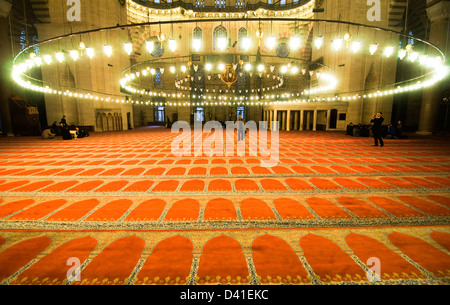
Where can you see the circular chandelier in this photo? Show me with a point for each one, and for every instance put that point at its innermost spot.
(63, 49)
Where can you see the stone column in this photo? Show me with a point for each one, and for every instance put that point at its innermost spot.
(302, 115)
(288, 120)
(276, 124)
(328, 119)
(308, 119)
(315, 120)
(438, 13)
(283, 120)
(296, 120)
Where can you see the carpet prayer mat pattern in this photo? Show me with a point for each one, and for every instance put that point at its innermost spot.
(125, 210)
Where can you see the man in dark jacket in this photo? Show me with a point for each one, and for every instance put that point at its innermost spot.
(377, 121)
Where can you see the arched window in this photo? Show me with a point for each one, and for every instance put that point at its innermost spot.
(158, 49)
(219, 32)
(199, 3)
(242, 33)
(219, 3)
(157, 81)
(197, 33)
(240, 3)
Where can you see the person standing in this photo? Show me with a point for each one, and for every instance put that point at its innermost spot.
(63, 121)
(377, 121)
(240, 123)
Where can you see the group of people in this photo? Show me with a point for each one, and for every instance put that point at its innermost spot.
(67, 132)
(378, 130)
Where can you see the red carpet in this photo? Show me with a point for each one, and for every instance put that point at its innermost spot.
(133, 213)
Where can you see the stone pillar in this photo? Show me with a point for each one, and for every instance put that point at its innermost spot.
(315, 120)
(269, 119)
(308, 119)
(302, 115)
(296, 120)
(276, 124)
(283, 120)
(288, 120)
(328, 119)
(438, 13)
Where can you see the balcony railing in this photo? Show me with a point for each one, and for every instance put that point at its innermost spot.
(228, 9)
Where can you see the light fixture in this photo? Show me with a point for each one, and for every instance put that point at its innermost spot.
(373, 48)
(38, 61)
(260, 67)
(222, 43)
(246, 43)
(337, 44)
(347, 37)
(259, 33)
(294, 70)
(74, 54)
(149, 45)
(402, 54)
(59, 56)
(356, 46)
(183, 69)
(247, 67)
(208, 67)
(108, 50)
(221, 66)
(197, 44)
(48, 59)
(90, 52)
(318, 42)
(388, 51)
(172, 69)
(271, 41)
(81, 45)
(413, 56)
(172, 44)
(283, 69)
(294, 43)
(128, 46)
(161, 35)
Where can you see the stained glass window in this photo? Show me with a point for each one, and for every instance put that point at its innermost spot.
(219, 32)
(242, 33)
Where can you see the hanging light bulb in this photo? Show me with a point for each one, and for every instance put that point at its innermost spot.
(247, 67)
(172, 44)
(373, 48)
(149, 45)
(259, 33)
(90, 52)
(74, 54)
(81, 45)
(271, 41)
(222, 43)
(208, 67)
(260, 67)
(413, 56)
(172, 69)
(347, 37)
(318, 42)
(183, 68)
(356, 46)
(48, 59)
(337, 44)
(294, 70)
(221, 66)
(161, 36)
(128, 46)
(197, 44)
(402, 54)
(294, 43)
(59, 56)
(38, 61)
(388, 51)
(283, 69)
(246, 43)
(108, 50)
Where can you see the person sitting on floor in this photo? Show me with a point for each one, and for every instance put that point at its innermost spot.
(391, 132)
(65, 132)
(350, 128)
(48, 134)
